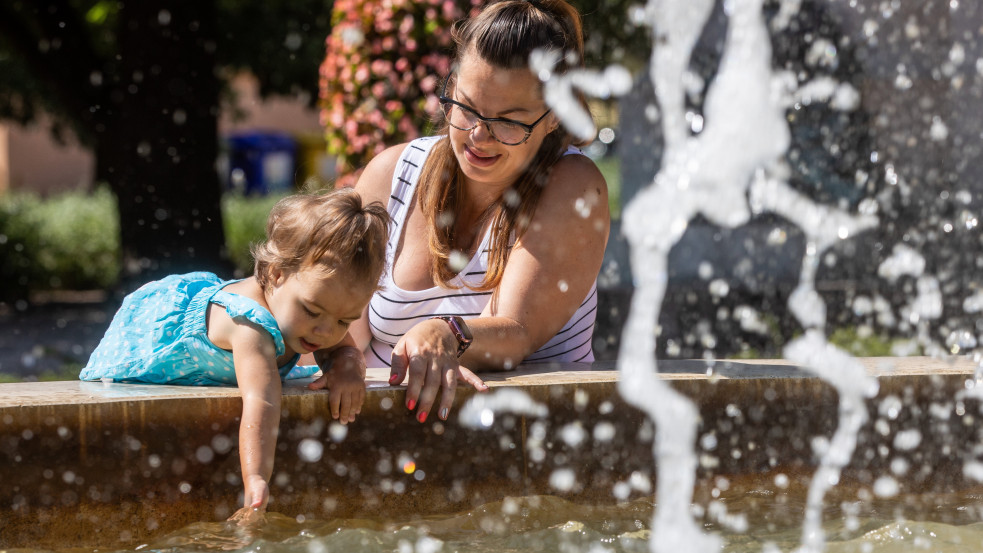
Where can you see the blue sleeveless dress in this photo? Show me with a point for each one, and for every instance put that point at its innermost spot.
(159, 335)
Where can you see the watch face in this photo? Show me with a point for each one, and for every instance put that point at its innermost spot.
(461, 329)
(461, 332)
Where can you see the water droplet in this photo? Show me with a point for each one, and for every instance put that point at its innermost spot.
(337, 431)
(719, 288)
(573, 434)
(457, 261)
(886, 486)
(352, 37)
(204, 454)
(487, 418)
(563, 480)
(781, 481)
(604, 432)
(293, 41)
(938, 131)
(310, 450)
(906, 440)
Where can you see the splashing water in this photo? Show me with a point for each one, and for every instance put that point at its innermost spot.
(479, 412)
(704, 174)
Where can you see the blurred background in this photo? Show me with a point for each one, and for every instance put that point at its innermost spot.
(139, 139)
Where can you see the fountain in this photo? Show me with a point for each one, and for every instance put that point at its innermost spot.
(836, 448)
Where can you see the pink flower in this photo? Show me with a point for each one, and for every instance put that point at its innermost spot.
(378, 90)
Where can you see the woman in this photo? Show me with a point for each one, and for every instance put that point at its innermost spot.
(499, 225)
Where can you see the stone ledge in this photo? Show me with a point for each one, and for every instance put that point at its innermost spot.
(76, 392)
(93, 464)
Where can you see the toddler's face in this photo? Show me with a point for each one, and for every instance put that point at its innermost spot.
(313, 310)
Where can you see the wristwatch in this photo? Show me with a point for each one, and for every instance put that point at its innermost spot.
(460, 330)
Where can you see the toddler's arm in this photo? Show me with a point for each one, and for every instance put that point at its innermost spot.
(343, 366)
(255, 364)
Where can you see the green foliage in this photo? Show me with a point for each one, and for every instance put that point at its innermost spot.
(79, 240)
(862, 342)
(281, 43)
(610, 167)
(611, 35)
(69, 371)
(245, 224)
(70, 241)
(18, 247)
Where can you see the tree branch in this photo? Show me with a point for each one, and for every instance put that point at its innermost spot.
(65, 65)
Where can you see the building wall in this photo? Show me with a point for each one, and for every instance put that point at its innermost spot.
(31, 160)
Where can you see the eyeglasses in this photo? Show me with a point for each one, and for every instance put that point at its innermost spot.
(464, 118)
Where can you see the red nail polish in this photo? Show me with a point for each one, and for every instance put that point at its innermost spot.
(422, 417)
(410, 404)
(393, 379)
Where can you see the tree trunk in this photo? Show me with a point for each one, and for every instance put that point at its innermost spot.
(160, 143)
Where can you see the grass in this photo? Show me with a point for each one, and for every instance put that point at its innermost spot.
(244, 220)
(611, 169)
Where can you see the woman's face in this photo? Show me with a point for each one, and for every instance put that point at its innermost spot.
(496, 92)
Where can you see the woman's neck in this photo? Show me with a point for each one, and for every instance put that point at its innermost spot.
(469, 222)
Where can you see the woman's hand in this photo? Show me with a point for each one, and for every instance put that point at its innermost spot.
(427, 356)
(343, 373)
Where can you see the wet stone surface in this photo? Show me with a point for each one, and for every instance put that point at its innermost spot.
(90, 458)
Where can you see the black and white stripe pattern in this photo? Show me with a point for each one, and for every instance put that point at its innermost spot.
(393, 311)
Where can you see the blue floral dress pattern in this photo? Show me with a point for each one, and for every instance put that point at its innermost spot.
(159, 335)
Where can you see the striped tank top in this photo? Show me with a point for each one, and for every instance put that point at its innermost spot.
(393, 311)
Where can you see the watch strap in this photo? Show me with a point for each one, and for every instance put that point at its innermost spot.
(460, 330)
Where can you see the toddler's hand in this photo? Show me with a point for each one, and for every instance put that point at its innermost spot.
(345, 379)
(248, 516)
(255, 498)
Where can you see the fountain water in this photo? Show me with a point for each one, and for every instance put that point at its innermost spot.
(730, 165)
(108, 465)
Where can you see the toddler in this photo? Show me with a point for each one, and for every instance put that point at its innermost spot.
(322, 260)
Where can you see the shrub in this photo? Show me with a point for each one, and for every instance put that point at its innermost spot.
(379, 79)
(244, 218)
(18, 248)
(69, 241)
(79, 239)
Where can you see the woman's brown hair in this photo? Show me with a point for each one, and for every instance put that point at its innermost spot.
(329, 231)
(504, 34)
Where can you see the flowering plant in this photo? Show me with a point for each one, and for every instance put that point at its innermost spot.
(379, 78)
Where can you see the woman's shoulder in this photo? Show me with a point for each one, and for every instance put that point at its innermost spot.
(575, 186)
(575, 171)
(375, 182)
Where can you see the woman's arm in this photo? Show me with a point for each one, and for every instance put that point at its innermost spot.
(548, 275)
(550, 270)
(254, 355)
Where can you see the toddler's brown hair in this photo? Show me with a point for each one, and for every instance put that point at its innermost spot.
(329, 231)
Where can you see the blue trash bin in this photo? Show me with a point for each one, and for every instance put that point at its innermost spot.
(261, 162)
